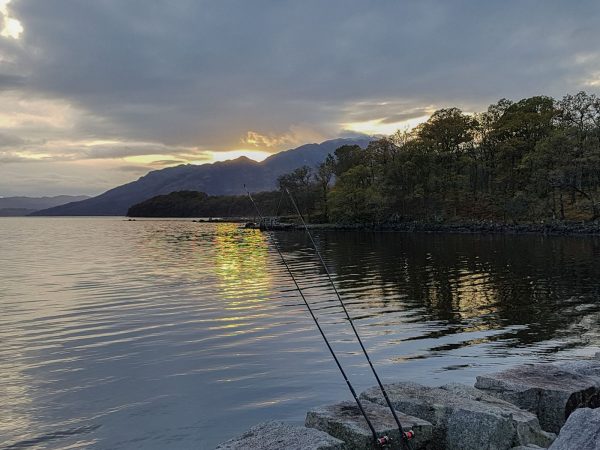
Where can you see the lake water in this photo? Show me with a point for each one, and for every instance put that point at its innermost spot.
(170, 334)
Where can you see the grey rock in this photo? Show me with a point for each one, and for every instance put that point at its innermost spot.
(282, 436)
(465, 418)
(345, 421)
(586, 367)
(525, 425)
(546, 390)
(581, 431)
(526, 447)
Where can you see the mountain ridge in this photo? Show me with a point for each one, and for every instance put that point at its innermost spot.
(218, 178)
(24, 205)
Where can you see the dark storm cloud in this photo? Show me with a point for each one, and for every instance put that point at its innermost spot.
(193, 72)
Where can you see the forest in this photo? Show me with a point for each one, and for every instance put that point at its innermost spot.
(200, 204)
(534, 160)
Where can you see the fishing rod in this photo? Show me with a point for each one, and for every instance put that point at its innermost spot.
(408, 435)
(379, 441)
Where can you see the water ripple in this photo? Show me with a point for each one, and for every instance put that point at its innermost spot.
(174, 334)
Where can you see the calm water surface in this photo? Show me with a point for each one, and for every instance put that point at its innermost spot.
(174, 334)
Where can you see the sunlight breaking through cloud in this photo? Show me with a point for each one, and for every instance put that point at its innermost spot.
(381, 127)
(11, 27)
(256, 155)
(182, 91)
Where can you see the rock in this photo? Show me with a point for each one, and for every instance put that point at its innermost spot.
(526, 425)
(544, 389)
(345, 421)
(465, 418)
(581, 431)
(526, 447)
(586, 367)
(282, 436)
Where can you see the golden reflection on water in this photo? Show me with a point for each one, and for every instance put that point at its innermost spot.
(473, 297)
(241, 258)
(470, 295)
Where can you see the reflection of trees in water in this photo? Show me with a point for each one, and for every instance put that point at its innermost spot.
(474, 282)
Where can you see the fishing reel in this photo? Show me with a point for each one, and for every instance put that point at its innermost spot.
(386, 441)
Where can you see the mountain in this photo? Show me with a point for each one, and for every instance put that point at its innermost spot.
(23, 206)
(220, 178)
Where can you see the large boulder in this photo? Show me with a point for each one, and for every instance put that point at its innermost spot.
(549, 391)
(279, 436)
(345, 421)
(465, 418)
(581, 431)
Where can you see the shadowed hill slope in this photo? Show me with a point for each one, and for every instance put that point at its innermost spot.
(220, 178)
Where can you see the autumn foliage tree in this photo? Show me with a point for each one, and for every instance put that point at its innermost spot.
(530, 160)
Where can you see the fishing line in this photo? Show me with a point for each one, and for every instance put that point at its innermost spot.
(315, 320)
(405, 436)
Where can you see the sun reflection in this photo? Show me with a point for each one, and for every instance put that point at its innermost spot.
(241, 265)
(473, 296)
(469, 296)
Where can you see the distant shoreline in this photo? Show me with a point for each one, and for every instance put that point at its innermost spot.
(472, 228)
(482, 227)
(556, 228)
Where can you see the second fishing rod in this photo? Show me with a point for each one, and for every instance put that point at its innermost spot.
(408, 435)
(380, 441)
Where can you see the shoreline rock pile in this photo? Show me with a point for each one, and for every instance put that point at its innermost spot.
(530, 406)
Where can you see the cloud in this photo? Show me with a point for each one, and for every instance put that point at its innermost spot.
(10, 27)
(7, 140)
(180, 80)
(296, 136)
(265, 140)
(168, 162)
(134, 169)
(8, 82)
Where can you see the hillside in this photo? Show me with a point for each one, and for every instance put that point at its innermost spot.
(199, 204)
(220, 178)
(23, 206)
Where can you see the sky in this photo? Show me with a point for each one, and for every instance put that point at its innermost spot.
(94, 94)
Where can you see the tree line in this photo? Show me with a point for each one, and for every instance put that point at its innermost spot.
(537, 159)
(200, 204)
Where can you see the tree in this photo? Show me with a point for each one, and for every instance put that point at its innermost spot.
(533, 159)
(354, 198)
(447, 130)
(346, 157)
(299, 184)
(324, 175)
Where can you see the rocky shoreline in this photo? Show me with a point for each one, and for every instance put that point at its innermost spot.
(548, 229)
(532, 406)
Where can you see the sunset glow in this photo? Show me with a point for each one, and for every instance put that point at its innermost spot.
(256, 155)
(380, 127)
